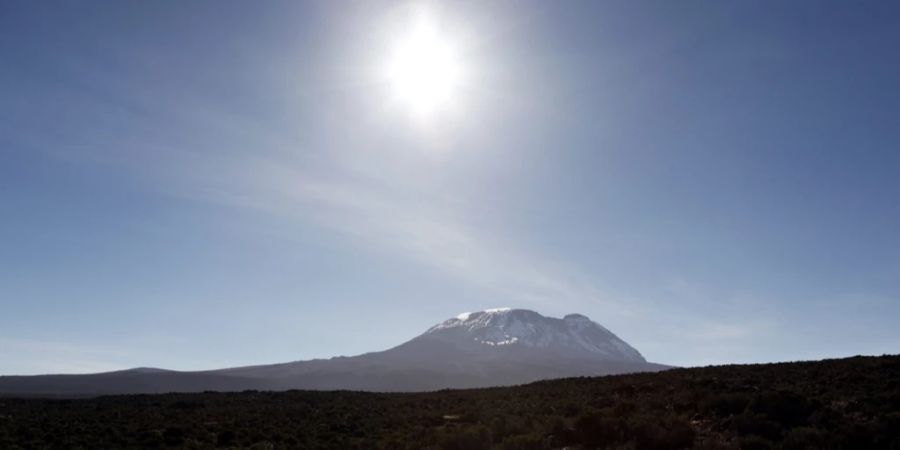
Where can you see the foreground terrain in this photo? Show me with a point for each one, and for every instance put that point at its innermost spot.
(845, 403)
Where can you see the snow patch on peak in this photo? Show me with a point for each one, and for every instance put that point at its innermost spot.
(472, 319)
(509, 340)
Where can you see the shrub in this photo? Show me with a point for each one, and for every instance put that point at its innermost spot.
(671, 433)
(786, 408)
(173, 436)
(755, 424)
(755, 443)
(470, 438)
(225, 439)
(596, 430)
(523, 442)
(725, 404)
(561, 435)
(804, 438)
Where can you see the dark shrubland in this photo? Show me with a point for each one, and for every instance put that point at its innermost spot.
(836, 404)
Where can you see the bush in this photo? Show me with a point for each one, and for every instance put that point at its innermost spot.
(523, 442)
(786, 408)
(755, 443)
(561, 435)
(597, 430)
(470, 438)
(671, 433)
(225, 439)
(725, 404)
(804, 438)
(755, 424)
(173, 436)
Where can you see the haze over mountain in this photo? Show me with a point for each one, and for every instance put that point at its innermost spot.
(495, 347)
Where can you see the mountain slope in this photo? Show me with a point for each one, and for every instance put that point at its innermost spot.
(486, 348)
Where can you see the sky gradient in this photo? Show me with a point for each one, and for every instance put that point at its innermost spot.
(196, 185)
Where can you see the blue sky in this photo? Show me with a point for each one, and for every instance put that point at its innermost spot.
(205, 184)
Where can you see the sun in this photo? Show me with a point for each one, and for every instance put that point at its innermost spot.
(423, 71)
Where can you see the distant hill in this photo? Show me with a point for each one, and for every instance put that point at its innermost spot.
(851, 403)
(496, 347)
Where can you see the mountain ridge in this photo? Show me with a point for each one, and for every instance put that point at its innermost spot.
(494, 347)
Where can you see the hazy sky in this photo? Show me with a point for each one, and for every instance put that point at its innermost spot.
(204, 184)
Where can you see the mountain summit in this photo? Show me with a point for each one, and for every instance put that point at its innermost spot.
(495, 347)
(574, 335)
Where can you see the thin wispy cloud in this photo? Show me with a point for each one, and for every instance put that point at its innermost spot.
(425, 231)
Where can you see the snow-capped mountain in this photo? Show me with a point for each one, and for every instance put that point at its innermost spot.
(494, 347)
(573, 335)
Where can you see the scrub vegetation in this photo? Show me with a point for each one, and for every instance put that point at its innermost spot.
(851, 403)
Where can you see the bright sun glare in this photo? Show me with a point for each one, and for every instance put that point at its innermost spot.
(423, 70)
